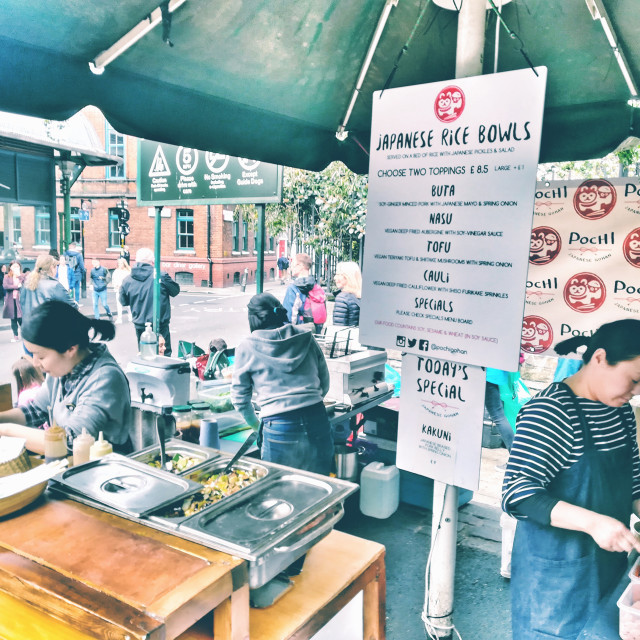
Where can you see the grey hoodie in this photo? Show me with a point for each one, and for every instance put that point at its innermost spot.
(284, 366)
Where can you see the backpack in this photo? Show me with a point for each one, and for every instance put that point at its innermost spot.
(72, 261)
(314, 308)
(285, 264)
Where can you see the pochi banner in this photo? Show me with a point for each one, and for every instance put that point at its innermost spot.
(584, 259)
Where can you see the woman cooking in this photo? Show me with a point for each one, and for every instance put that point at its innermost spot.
(287, 369)
(85, 387)
(572, 481)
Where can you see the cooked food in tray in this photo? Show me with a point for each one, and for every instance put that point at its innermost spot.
(215, 487)
(177, 464)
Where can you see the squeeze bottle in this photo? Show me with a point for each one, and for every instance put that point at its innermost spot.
(81, 447)
(99, 448)
(55, 444)
(148, 343)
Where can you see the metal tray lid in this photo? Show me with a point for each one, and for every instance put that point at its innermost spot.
(247, 522)
(126, 485)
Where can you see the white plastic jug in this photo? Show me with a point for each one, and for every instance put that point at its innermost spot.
(379, 490)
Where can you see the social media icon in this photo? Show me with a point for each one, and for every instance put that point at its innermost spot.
(423, 345)
(400, 341)
(411, 342)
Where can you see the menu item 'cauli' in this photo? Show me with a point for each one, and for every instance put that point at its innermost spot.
(177, 464)
(215, 487)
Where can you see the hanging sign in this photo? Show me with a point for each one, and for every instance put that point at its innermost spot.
(441, 406)
(451, 186)
(180, 175)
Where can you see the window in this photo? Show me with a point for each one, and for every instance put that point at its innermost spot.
(114, 144)
(184, 277)
(271, 243)
(114, 230)
(16, 225)
(42, 227)
(235, 235)
(184, 228)
(245, 235)
(76, 226)
(255, 239)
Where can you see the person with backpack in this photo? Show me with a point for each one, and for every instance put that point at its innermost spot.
(76, 262)
(304, 299)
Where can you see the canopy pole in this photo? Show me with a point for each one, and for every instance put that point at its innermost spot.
(441, 566)
(260, 248)
(156, 275)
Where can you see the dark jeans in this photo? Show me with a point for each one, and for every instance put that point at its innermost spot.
(300, 438)
(15, 323)
(164, 332)
(76, 287)
(493, 405)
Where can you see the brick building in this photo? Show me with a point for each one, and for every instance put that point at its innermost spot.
(201, 244)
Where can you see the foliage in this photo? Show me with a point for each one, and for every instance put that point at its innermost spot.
(625, 162)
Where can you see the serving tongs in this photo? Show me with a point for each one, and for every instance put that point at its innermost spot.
(241, 451)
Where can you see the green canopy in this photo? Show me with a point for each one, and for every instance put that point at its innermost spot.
(273, 79)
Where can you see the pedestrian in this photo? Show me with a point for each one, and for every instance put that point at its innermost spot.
(99, 280)
(494, 407)
(136, 292)
(283, 267)
(304, 300)
(121, 271)
(13, 282)
(41, 285)
(84, 389)
(65, 275)
(348, 279)
(3, 273)
(572, 481)
(124, 253)
(285, 368)
(76, 262)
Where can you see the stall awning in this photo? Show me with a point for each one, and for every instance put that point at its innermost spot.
(273, 80)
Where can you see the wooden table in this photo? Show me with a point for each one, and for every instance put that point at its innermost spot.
(71, 572)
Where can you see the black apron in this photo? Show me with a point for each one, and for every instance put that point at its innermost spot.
(558, 576)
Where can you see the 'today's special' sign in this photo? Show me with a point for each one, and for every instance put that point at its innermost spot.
(451, 186)
(441, 406)
(180, 175)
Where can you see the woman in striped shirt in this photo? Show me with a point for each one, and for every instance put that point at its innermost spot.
(572, 480)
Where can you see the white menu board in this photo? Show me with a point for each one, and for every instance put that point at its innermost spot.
(451, 189)
(441, 408)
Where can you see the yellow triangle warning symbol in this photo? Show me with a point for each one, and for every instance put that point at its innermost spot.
(159, 166)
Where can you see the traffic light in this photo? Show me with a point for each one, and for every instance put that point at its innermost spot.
(123, 216)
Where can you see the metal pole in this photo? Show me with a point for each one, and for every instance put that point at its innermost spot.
(156, 275)
(441, 568)
(209, 246)
(65, 231)
(260, 249)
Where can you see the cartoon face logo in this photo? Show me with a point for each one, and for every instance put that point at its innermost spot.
(545, 245)
(594, 199)
(449, 104)
(631, 248)
(537, 334)
(584, 292)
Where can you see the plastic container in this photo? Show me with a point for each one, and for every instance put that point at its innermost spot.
(148, 343)
(81, 448)
(182, 416)
(379, 490)
(55, 444)
(100, 448)
(199, 411)
(634, 572)
(209, 433)
(508, 528)
(629, 612)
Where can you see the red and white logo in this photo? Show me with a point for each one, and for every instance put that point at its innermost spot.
(449, 104)
(631, 248)
(594, 199)
(545, 245)
(584, 292)
(537, 334)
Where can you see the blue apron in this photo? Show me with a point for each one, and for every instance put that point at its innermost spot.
(558, 576)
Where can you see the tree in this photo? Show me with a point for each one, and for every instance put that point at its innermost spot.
(622, 163)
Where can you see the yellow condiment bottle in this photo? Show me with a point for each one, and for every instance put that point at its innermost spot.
(100, 448)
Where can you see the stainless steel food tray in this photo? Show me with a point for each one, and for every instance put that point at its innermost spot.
(126, 485)
(174, 446)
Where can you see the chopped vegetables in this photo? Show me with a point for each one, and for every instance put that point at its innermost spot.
(177, 464)
(215, 487)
